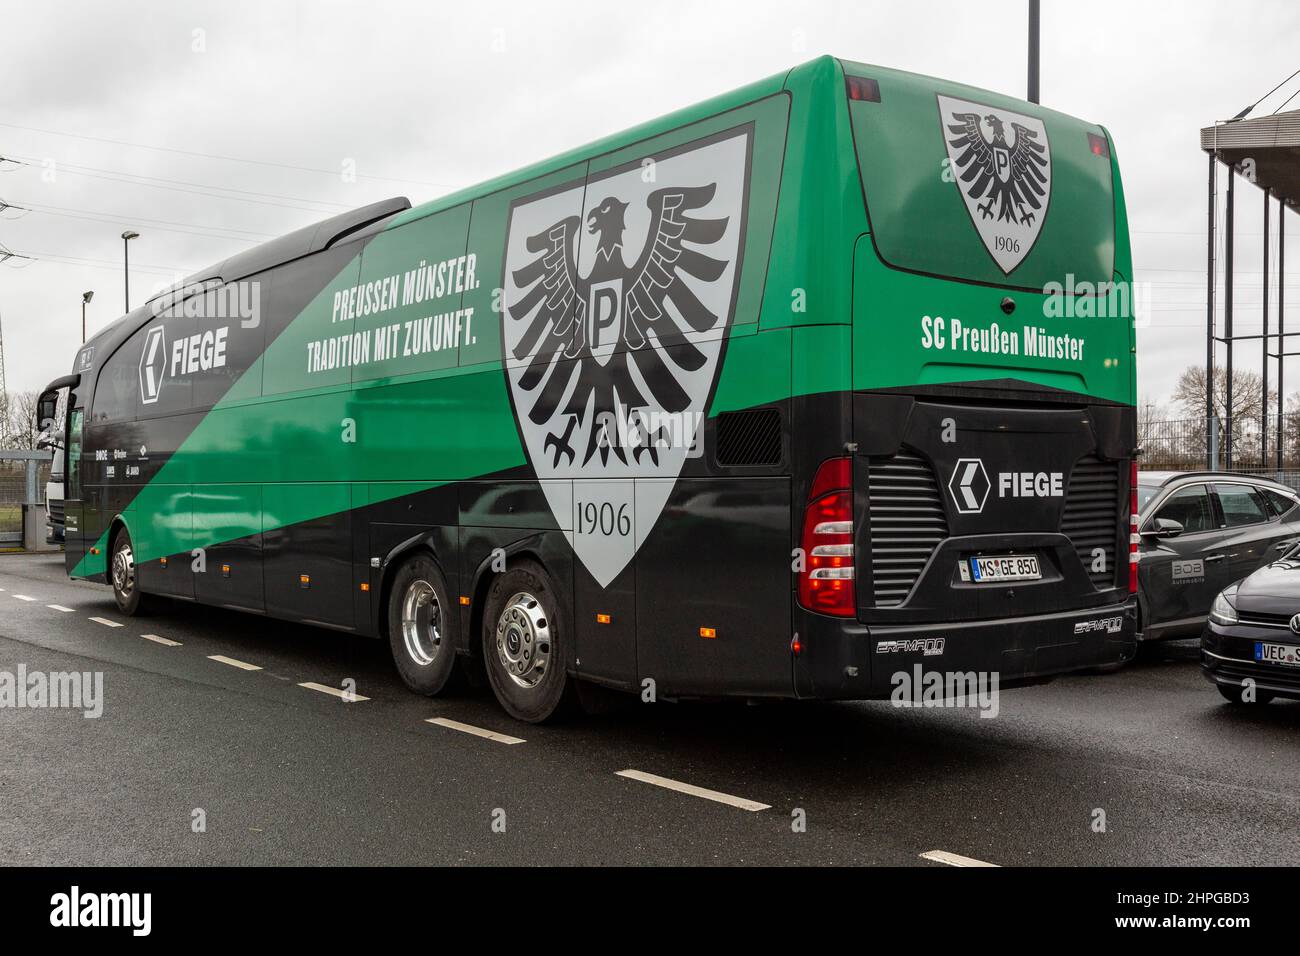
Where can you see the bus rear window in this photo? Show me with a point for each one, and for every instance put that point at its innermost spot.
(966, 184)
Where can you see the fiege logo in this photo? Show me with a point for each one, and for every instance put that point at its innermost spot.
(121, 910)
(970, 485)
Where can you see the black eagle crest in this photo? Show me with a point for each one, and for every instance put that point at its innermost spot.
(1011, 177)
(651, 336)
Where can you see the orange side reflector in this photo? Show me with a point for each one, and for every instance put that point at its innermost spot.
(708, 632)
(365, 586)
(163, 562)
(94, 550)
(225, 569)
(464, 600)
(604, 619)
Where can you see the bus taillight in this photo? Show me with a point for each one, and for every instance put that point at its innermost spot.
(1133, 537)
(826, 581)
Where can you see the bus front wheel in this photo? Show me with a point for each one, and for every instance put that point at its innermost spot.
(422, 626)
(523, 643)
(122, 574)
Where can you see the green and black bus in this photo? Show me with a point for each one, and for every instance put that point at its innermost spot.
(777, 396)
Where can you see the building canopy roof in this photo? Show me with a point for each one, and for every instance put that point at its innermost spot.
(1265, 148)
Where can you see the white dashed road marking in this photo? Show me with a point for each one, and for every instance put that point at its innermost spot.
(476, 731)
(59, 607)
(693, 790)
(243, 666)
(342, 694)
(106, 622)
(24, 597)
(952, 859)
(161, 640)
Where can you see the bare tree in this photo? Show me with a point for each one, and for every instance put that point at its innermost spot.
(1189, 393)
(19, 420)
(1244, 416)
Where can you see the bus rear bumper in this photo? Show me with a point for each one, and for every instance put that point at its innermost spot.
(842, 660)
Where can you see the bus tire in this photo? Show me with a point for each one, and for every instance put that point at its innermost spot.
(524, 643)
(122, 576)
(422, 625)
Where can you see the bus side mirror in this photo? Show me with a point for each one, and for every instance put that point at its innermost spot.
(47, 407)
(47, 426)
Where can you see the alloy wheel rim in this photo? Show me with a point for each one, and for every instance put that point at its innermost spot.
(421, 622)
(523, 640)
(124, 570)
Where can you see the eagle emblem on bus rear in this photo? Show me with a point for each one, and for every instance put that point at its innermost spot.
(1002, 164)
(617, 296)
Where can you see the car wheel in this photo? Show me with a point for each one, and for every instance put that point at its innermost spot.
(1233, 694)
(121, 574)
(524, 642)
(422, 625)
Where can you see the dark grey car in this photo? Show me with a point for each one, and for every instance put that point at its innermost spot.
(1201, 532)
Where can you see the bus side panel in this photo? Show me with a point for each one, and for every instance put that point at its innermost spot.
(718, 559)
(307, 565)
(232, 575)
(605, 627)
(163, 521)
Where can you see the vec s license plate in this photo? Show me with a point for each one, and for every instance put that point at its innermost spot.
(1288, 654)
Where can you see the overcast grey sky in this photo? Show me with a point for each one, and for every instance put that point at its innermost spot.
(426, 97)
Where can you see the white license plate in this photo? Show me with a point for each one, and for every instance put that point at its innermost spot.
(1267, 653)
(1007, 567)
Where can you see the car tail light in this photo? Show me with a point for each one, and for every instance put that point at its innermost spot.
(1133, 537)
(826, 581)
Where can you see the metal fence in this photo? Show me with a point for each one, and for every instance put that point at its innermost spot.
(1181, 445)
(23, 475)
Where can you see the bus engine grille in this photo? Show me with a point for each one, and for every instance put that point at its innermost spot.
(1091, 519)
(907, 523)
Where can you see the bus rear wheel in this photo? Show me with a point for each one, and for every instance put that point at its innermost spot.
(122, 575)
(524, 637)
(422, 626)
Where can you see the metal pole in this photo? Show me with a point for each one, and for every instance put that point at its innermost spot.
(1227, 318)
(126, 271)
(1033, 51)
(1281, 321)
(1210, 456)
(1263, 388)
(83, 321)
(31, 481)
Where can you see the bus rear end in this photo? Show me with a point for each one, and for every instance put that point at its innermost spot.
(981, 518)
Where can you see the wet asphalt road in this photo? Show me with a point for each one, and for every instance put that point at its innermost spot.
(288, 775)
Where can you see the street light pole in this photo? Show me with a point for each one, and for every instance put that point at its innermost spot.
(1033, 51)
(126, 268)
(85, 301)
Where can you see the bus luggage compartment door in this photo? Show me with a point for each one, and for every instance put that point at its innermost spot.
(948, 482)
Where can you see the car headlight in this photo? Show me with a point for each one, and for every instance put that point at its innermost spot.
(1222, 611)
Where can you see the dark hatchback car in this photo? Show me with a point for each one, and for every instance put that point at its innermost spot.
(1199, 532)
(1251, 646)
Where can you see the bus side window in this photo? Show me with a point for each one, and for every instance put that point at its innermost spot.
(118, 387)
(228, 336)
(307, 318)
(73, 456)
